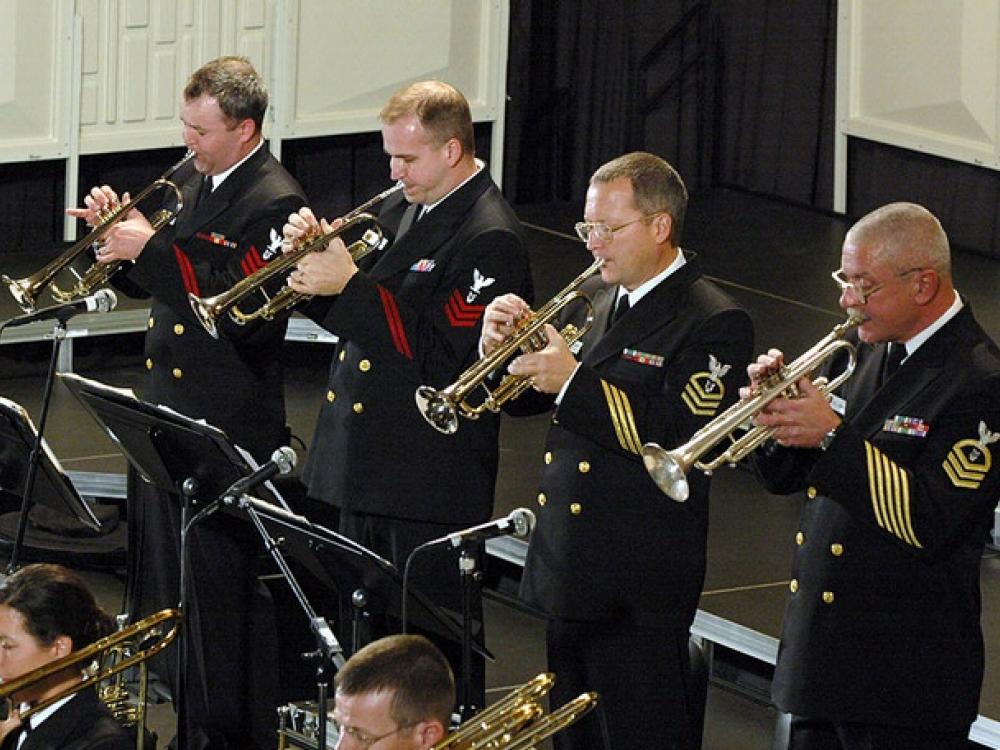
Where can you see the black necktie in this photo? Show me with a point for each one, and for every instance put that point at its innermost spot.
(204, 191)
(409, 219)
(895, 354)
(620, 309)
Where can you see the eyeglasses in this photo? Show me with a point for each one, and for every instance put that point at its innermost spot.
(360, 737)
(858, 288)
(602, 231)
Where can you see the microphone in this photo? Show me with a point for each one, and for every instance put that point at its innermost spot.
(103, 300)
(520, 523)
(282, 461)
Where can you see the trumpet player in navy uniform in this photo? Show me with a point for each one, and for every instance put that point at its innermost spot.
(236, 198)
(407, 316)
(881, 645)
(616, 566)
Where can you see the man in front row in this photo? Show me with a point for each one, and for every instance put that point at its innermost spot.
(881, 645)
(616, 566)
(397, 691)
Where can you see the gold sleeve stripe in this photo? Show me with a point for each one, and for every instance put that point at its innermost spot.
(889, 487)
(622, 418)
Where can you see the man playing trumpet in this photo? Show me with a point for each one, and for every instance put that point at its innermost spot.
(407, 316)
(881, 645)
(617, 568)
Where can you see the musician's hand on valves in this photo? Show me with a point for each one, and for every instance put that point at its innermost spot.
(800, 420)
(549, 368)
(499, 320)
(322, 273)
(126, 239)
(95, 203)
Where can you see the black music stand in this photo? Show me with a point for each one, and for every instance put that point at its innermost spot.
(50, 487)
(346, 566)
(178, 455)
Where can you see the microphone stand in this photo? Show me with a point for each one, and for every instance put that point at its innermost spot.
(329, 651)
(471, 578)
(58, 335)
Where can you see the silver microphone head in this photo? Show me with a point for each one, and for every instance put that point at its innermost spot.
(105, 300)
(285, 459)
(523, 520)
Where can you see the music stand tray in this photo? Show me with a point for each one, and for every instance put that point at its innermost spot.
(343, 564)
(52, 488)
(166, 448)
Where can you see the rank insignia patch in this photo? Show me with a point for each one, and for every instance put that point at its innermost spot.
(479, 282)
(704, 390)
(643, 358)
(460, 313)
(968, 461)
(273, 245)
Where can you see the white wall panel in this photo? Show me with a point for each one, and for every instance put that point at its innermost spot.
(352, 54)
(36, 60)
(922, 74)
(339, 60)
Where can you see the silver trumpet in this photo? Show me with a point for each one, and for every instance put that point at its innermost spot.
(669, 468)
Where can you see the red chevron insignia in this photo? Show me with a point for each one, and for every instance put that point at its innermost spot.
(252, 261)
(460, 313)
(187, 272)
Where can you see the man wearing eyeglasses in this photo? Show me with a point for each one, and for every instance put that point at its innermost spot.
(396, 693)
(881, 645)
(616, 566)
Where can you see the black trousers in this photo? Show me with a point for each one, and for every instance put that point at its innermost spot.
(819, 734)
(642, 676)
(227, 654)
(435, 573)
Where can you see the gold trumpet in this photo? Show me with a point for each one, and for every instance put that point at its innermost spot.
(517, 721)
(441, 408)
(25, 290)
(209, 309)
(669, 468)
(91, 660)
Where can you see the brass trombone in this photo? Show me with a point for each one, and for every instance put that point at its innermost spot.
(25, 290)
(91, 660)
(441, 408)
(669, 468)
(209, 309)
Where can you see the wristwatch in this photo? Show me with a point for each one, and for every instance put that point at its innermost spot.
(828, 437)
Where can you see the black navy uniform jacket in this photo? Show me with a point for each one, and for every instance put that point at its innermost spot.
(83, 723)
(235, 383)
(412, 317)
(609, 545)
(882, 622)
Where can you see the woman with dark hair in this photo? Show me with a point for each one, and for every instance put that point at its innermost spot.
(46, 613)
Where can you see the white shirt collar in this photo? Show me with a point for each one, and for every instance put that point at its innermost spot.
(917, 341)
(431, 206)
(647, 286)
(218, 179)
(38, 717)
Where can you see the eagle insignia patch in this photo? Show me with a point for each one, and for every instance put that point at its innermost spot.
(704, 391)
(969, 461)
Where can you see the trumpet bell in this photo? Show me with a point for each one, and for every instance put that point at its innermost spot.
(667, 471)
(439, 411)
